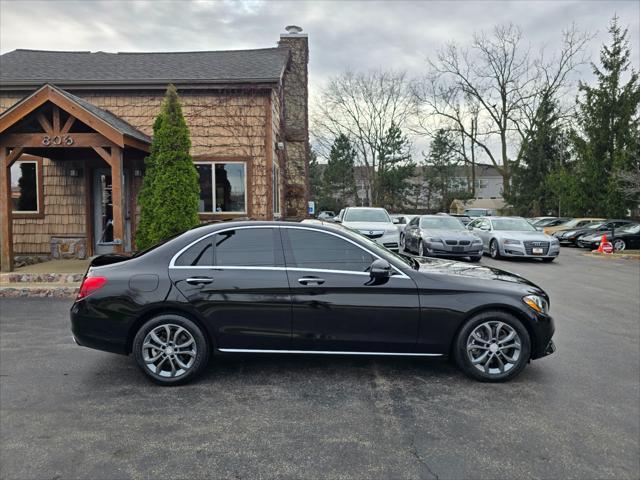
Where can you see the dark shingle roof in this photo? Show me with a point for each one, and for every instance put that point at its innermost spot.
(21, 67)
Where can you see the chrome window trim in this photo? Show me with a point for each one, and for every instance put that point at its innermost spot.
(297, 269)
(329, 352)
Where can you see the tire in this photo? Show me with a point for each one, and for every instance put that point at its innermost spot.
(494, 249)
(402, 245)
(175, 368)
(619, 245)
(491, 371)
(420, 248)
(548, 259)
(476, 259)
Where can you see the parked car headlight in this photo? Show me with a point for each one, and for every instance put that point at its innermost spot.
(555, 241)
(511, 241)
(570, 233)
(537, 303)
(477, 240)
(433, 240)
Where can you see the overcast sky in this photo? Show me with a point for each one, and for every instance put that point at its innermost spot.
(342, 34)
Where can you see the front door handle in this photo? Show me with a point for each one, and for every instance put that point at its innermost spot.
(199, 280)
(311, 281)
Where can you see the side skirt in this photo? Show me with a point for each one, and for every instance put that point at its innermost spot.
(328, 352)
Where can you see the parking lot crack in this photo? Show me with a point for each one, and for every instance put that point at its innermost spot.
(421, 461)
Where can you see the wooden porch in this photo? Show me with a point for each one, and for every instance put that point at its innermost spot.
(54, 124)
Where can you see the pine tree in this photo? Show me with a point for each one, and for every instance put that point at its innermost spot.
(440, 171)
(170, 189)
(545, 151)
(395, 169)
(339, 182)
(606, 142)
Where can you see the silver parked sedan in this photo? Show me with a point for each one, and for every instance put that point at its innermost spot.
(441, 236)
(514, 237)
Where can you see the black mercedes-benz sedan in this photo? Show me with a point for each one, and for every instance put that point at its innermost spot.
(279, 287)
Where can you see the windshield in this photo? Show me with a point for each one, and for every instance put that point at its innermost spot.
(593, 226)
(633, 228)
(548, 222)
(441, 223)
(476, 213)
(576, 222)
(512, 224)
(367, 215)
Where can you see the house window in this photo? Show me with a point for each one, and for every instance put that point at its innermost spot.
(223, 187)
(25, 187)
(276, 190)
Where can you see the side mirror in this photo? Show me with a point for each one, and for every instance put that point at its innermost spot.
(485, 228)
(380, 269)
(396, 221)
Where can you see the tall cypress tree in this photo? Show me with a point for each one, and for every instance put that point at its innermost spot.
(395, 169)
(170, 189)
(606, 142)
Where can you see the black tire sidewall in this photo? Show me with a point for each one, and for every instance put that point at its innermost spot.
(460, 350)
(202, 346)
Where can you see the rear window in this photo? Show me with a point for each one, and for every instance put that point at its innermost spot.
(246, 247)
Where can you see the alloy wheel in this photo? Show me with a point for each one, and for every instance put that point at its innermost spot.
(619, 245)
(401, 242)
(494, 347)
(493, 249)
(420, 248)
(169, 350)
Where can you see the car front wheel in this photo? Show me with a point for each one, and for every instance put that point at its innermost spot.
(494, 250)
(420, 248)
(492, 346)
(619, 245)
(171, 349)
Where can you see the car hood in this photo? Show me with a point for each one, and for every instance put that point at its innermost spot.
(470, 270)
(370, 225)
(452, 234)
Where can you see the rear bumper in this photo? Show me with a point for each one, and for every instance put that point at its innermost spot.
(89, 330)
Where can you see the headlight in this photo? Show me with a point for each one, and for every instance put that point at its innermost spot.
(537, 303)
(477, 240)
(433, 240)
(570, 233)
(555, 241)
(511, 241)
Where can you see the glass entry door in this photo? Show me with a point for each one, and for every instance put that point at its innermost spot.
(103, 213)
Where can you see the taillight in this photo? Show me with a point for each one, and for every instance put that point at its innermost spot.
(90, 285)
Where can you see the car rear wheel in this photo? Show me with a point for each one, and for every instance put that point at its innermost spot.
(492, 347)
(171, 349)
(494, 250)
(619, 245)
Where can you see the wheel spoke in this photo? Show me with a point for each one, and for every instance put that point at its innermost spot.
(180, 363)
(481, 358)
(173, 367)
(512, 334)
(155, 338)
(176, 334)
(153, 359)
(186, 344)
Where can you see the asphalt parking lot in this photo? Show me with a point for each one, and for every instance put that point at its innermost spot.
(70, 412)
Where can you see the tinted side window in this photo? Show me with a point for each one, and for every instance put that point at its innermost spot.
(199, 255)
(309, 249)
(246, 247)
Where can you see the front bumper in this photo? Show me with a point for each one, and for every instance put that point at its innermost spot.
(543, 345)
(520, 251)
(440, 249)
(588, 244)
(390, 240)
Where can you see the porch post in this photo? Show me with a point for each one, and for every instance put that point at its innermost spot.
(6, 230)
(117, 197)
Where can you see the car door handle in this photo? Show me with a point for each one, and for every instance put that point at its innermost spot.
(199, 280)
(311, 281)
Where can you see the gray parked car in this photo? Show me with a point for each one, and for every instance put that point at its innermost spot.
(514, 237)
(441, 236)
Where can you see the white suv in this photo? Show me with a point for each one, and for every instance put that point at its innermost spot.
(374, 223)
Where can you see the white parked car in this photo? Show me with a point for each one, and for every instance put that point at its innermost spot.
(374, 223)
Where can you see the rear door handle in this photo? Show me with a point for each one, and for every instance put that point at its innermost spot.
(199, 280)
(311, 281)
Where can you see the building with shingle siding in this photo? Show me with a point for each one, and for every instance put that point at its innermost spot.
(75, 128)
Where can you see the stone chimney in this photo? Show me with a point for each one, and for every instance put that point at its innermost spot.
(296, 121)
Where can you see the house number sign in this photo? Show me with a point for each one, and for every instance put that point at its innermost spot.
(57, 140)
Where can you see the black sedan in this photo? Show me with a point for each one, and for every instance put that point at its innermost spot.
(625, 237)
(571, 237)
(276, 287)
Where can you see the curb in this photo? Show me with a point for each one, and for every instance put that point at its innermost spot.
(66, 292)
